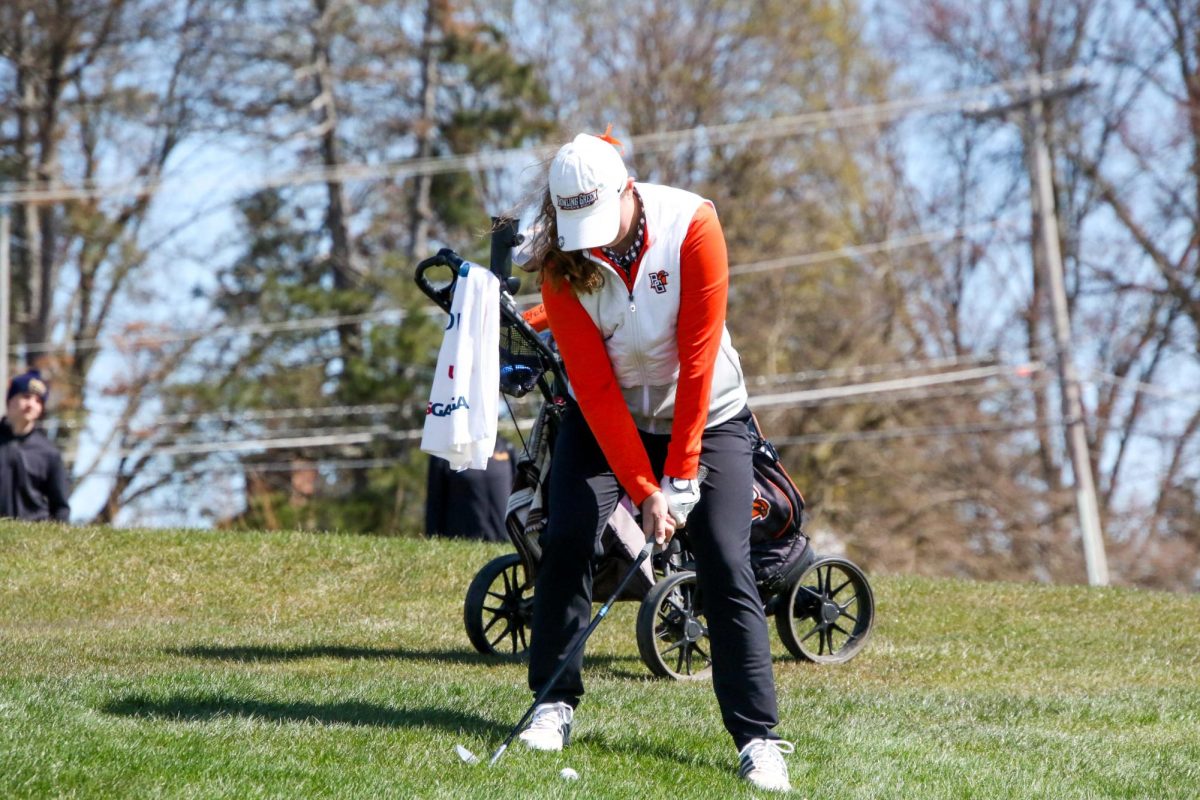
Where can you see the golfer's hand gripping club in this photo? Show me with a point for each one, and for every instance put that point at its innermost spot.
(657, 523)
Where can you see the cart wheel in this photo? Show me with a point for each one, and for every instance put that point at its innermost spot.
(827, 613)
(499, 607)
(671, 637)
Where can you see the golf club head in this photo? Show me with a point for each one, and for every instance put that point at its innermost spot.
(466, 755)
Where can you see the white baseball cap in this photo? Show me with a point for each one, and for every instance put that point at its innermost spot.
(586, 180)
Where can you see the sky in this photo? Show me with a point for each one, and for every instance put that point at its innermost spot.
(209, 176)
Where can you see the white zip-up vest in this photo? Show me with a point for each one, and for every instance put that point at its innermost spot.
(639, 326)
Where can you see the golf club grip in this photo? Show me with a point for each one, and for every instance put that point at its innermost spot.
(576, 647)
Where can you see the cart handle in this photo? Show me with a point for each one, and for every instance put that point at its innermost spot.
(444, 258)
(510, 316)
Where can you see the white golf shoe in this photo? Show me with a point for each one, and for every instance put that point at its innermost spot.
(549, 728)
(761, 763)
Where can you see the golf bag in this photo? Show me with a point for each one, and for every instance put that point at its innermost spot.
(779, 550)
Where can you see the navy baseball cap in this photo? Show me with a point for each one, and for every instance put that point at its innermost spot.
(28, 383)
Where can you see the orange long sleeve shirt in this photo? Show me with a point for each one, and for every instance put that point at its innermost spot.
(704, 288)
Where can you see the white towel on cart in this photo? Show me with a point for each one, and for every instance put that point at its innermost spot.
(460, 420)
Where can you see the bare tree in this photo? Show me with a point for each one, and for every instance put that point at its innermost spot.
(674, 66)
(1156, 203)
(78, 117)
(1128, 320)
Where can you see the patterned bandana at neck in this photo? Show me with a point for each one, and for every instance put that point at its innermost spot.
(625, 260)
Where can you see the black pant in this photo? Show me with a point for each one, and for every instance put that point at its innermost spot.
(583, 494)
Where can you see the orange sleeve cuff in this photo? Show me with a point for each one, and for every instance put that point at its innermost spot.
(597, 392)
(536, 317)
(704, 291)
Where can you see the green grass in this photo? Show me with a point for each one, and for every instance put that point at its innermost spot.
(201, 664)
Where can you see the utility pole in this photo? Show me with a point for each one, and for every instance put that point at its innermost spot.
(1086, 503)
(6, 296)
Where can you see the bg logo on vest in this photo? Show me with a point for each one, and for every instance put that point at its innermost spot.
(446, 409)
(658, 281)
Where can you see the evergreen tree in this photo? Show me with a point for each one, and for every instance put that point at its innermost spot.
(336, 254)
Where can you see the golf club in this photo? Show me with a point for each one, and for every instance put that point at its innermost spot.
(469, 757)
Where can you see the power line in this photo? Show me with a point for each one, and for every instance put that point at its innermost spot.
(946, 431)
(269, 466)
(236, 435)
(903, 387)
(782, 441)
(812, 396)
(244, 445)
(220, 331)
(316, 412)
(347, 410)
(349, 434)
(398, 315)
(375, 463)
(852, 251)
(264, 415)
(1146, 388)
(349, 437)
(940, 431)
(365, 435)
(929, 393)
(701, 135)
(267, 415)
(914, 432)
(868, 369)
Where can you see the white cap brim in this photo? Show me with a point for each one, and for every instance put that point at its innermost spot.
(595, 226)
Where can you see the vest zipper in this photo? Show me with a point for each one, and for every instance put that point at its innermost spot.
(637, 344)
(637, 357)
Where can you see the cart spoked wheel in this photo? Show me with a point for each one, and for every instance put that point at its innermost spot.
(671, 636)
(827, 614)
(498, 611)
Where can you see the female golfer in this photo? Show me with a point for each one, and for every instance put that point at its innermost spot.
(634, 280)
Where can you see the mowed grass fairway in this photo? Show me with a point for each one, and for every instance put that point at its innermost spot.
(209, 664)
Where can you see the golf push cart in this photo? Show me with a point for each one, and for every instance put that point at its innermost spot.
(823, 606)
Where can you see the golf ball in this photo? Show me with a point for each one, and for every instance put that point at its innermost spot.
(569, 774)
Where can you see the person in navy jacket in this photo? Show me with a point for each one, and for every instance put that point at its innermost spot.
(33, 479)
(472, 503)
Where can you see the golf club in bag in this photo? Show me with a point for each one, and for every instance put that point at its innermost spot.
(645, 552)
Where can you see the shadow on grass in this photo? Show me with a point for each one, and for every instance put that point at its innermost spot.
(624, 668)
(640, 748)
(251, 653)
(258, 652)
(210, 708)
(207, 708)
